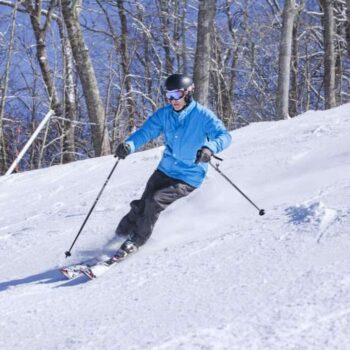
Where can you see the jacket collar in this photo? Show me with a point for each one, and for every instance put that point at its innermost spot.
(185, 112)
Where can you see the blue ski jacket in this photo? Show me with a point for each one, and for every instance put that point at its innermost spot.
(184, 133)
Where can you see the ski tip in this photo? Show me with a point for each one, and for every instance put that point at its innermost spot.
(68, 273)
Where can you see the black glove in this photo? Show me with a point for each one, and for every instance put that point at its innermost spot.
(203, 155)
(123, 150)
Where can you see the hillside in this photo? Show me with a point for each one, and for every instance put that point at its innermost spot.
(214, 275)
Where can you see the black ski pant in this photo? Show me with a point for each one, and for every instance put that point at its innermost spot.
(161, 190)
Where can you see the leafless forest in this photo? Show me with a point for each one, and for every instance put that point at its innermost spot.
(99, 66)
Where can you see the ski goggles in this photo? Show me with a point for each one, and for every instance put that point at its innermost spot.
(175, 94)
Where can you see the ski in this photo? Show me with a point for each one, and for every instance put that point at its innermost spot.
(101, 267)
(95, 267)
(73, 271)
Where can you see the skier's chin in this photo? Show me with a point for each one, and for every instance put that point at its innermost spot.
(177, 106)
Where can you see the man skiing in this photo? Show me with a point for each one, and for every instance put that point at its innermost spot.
(192, 134)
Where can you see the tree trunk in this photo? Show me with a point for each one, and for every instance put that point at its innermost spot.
(70, 108)
(285, 55)
(293, 95)
(164, 18)
(329, 53)
(130, 103)
(121, 47)
(3, 153)
(206, 15)
(348, 25)
(184, 68)
(88, 79)
(41, 53)
(221, 92)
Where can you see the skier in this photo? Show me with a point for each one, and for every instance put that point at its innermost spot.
(192, 134)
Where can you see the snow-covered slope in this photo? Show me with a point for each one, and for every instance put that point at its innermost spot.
(214, 275)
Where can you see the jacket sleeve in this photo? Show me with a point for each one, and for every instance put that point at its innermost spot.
(150, 130)
(218, 136)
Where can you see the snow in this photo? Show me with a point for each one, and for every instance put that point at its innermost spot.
(214, 275)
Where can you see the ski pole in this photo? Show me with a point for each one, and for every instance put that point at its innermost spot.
(216, 167)
(68, 252)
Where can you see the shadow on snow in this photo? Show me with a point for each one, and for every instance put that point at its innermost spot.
(52, 276)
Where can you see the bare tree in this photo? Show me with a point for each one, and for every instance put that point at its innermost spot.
(70, 108)
(126, 65)
(285, 56)
(64, 110)
(165, 23)
(183, 48)
(40, 32)
(205, 23)
(294, 88)
(41, 21)
(121, 46)
(220, 85)
(348, 25)
(70, 11)
(137, 43)
(3, 87)
(329, 53)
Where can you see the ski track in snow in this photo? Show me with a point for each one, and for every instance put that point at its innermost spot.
(214, 274)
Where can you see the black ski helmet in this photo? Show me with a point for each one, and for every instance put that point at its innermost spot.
(177, 82)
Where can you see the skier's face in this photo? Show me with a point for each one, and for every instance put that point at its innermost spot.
(177, 98)
(178, 104)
